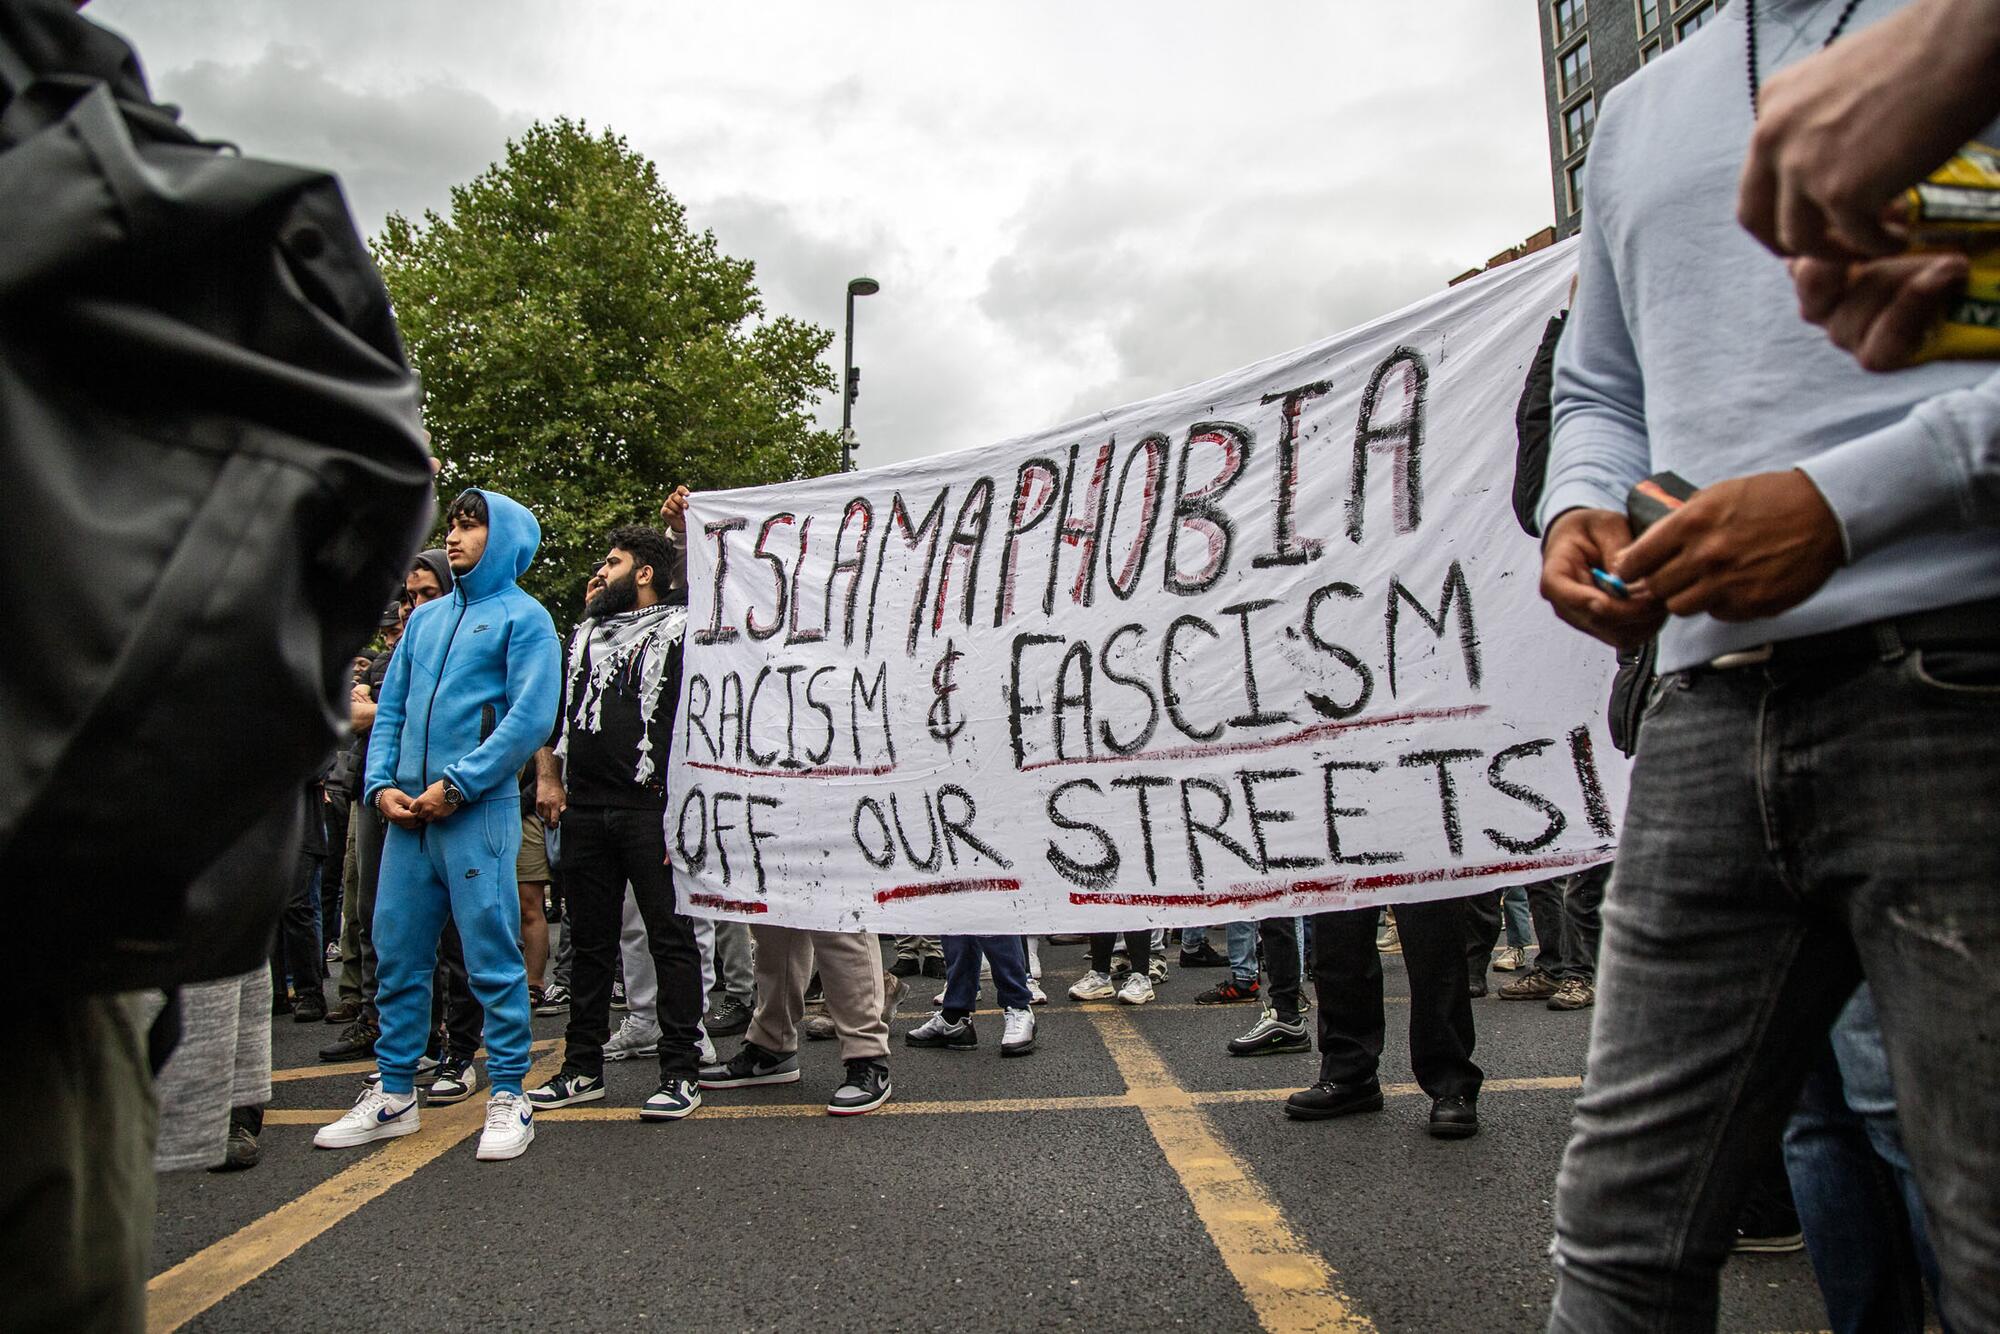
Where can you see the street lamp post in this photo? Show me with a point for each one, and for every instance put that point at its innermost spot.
(850, 381)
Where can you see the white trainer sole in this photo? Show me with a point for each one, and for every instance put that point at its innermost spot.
(790, 1076)
(512, 1150)
(350, 1139)
(627, 1053)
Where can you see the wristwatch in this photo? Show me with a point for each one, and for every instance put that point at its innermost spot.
(452, 796)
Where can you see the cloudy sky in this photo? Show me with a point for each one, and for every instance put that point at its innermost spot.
(1068, 205)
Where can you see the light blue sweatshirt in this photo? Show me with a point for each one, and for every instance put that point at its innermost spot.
(1685, 352)
(471, 690)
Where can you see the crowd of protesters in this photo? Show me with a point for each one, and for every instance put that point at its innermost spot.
(1791, 966)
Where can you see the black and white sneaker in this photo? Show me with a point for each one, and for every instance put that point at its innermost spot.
(566, 1090)
(937, 1031)
(1272, 1035)
(674, 1100)
(751, 1065)
(555, 1000)
(865, 1088)
(456, 1078)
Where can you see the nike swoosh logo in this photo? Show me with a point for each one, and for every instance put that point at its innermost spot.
(385, 1115)
(527, 1117)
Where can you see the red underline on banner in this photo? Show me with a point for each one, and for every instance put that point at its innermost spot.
(1313, 733)
(1245, 895)
(728, 905)
(835, 771)
(934, 887)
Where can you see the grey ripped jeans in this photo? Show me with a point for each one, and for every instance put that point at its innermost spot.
(1789, 829)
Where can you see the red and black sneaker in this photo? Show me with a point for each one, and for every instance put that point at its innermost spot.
(1229, 991)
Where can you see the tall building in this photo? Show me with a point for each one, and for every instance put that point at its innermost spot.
(1588, 47)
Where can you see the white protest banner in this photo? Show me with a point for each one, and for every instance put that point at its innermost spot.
(1271, 644)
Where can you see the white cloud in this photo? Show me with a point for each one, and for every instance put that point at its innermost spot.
(1067, 205)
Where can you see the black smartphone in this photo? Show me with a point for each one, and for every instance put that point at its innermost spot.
(1655, 498)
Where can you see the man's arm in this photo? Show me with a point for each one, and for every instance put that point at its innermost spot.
(385, 736)
(1841, 133)
(550, 799)
(1598, 449)
(534, 681)
(360, 711)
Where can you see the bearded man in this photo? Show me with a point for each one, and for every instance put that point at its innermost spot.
(609, 798)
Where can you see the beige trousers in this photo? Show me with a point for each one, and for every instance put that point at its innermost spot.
(850, 972)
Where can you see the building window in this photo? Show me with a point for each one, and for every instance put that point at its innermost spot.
(1573, 183)
(1649, 16)
(1575, 65)
(1569, 16)
(1648, 51)
(1577, 124)
(1688, 26)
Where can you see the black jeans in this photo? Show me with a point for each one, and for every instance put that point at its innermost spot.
(1567, 922)
(1481, 913)
(457, 1021)
(604, 847)
(297, 950)
(1347, 980)
(333, 873)
(1283, 962)
(370, 832)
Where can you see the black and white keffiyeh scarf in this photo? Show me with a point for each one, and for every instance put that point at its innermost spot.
(626, 653)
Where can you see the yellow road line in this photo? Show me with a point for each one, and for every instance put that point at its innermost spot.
(206, 1277)
(368, 1067)
(1088, 1102)
(1553, 1082)
(1289, 1285)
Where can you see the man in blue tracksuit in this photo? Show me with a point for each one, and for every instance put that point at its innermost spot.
(470, 694)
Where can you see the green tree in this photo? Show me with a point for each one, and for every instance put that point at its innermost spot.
(584, 350)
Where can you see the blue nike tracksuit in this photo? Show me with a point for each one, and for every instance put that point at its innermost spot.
(471, 692)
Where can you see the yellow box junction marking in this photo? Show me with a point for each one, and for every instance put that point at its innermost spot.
(180, 1294)
(1289, 1285)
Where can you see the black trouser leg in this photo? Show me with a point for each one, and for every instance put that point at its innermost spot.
(370, 832)
(330, 881)
(297, 950)
(642, 845)
(1347, 979)
(1545, 908)
(454, 1007)
(1481, 914)
(1583, 900)
(1347, 986)
(1441, 1036)
(594, 907)
(1280, 938)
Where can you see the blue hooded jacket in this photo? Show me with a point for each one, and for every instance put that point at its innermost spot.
(473, 686)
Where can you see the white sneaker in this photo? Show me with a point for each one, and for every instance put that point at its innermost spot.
(635, 1037)
(1093, 985)
(705, 1049)
(1036, 996)
(375, 1115)
(510, 1128)
(1138, 989)
(1512, 959)
(1019, 1037)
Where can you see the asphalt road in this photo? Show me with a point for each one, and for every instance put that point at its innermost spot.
(1128, 1175)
